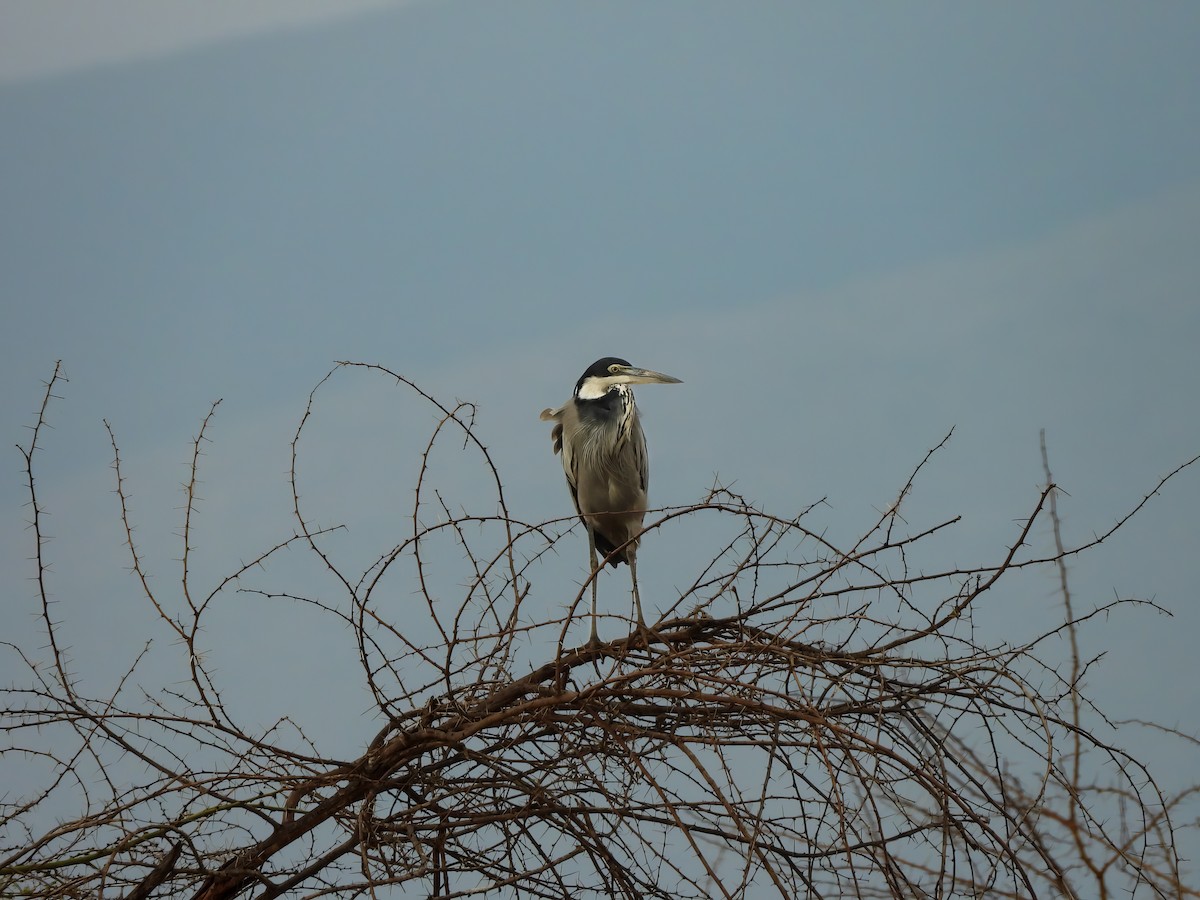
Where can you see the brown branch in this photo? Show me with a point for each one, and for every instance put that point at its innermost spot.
(811, 719)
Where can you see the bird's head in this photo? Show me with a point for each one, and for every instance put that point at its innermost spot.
(604, 374)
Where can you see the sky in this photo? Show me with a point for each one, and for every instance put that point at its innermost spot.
(847, 229)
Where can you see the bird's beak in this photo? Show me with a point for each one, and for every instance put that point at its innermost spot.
(634, 375)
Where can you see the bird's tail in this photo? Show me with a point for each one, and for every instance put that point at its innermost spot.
(604, 547)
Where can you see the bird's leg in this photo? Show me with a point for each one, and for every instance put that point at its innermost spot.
(631, 557)
(594, 639)
(648, 635)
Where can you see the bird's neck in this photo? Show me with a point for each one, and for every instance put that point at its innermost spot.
(610, 400)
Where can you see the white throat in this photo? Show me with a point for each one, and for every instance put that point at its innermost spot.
(594, 388)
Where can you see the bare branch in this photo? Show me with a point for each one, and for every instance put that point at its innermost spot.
(809, 720)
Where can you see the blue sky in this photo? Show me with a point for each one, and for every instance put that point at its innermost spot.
(847, 229)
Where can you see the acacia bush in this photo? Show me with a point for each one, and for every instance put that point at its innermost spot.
(812, 721)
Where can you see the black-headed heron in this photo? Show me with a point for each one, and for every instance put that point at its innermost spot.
(604, 457)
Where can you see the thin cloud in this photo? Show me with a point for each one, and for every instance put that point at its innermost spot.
(39, 39)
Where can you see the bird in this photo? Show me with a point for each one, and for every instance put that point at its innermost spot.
(603, 450)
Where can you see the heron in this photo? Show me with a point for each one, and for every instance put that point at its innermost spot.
(604, 457)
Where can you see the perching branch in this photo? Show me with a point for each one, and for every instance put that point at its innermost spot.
(816, 720)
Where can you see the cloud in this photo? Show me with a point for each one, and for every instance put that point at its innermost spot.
(38, 39)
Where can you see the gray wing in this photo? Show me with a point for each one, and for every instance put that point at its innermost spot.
(565, 448)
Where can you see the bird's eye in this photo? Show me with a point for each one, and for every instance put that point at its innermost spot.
(614, 368)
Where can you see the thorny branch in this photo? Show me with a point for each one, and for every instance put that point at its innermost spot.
(815, 722)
